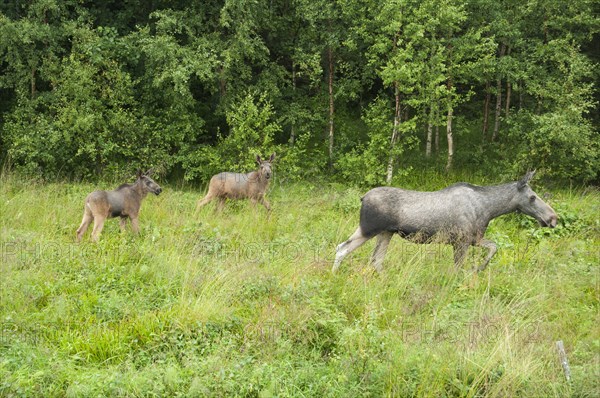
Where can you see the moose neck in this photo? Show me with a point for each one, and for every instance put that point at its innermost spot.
(138, 188)
(256, 177)
(499, 199)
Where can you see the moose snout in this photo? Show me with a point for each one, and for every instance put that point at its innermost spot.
(158, 191)
(552, 221)
(549, 221)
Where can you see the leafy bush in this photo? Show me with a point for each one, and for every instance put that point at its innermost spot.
(252, 128)
(562, 143)
(367, 164)
(569, 223)
(90, 123)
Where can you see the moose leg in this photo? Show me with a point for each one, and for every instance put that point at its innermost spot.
(265, 203)
(204, 201)
(220, 204)
(347, 247)
(123, 223)
(460, 252)
(98, 225)
(135, 226)
(491, 246)
(383, 240)
(85, 223)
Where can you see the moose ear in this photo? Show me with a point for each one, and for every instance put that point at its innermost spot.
(149, 172)
(258, 159)
(139, 173)
(272, 158)
(525, 180)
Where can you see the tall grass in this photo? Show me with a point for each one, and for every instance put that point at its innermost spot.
(242, 304)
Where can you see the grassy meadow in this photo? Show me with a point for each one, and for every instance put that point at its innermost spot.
(241, 304)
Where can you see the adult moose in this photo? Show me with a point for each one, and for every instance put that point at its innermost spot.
(251, 186)
(123, 202)
(458, 215)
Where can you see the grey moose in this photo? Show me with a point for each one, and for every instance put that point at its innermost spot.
(123, 202)
(458, 215)
(251, 186)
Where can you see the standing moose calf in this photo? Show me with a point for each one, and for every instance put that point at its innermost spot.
(458, 215)
(123, 202)
(251, 186)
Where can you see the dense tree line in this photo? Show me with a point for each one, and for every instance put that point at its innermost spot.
(359, 89)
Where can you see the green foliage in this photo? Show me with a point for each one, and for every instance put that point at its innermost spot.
(90, 123)
(559, 138)
(252, 130)
(95, 88)
(570, 224)
(563, 144)
(366, 165)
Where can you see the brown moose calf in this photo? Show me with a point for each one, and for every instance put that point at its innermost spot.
(251, 186)
(123, 202)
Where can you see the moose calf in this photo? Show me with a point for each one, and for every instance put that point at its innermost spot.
(251, 186)
(123, 202)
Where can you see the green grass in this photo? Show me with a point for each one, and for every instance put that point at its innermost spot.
(239, 304)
